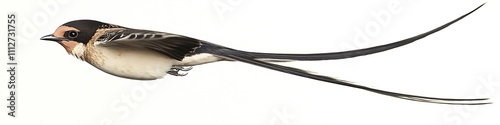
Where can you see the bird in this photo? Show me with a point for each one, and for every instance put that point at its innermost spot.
(148, 55)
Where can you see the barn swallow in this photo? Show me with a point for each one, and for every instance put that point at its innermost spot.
(148, 55)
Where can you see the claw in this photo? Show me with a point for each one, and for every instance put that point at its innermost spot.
(176, 73)
(175, 70)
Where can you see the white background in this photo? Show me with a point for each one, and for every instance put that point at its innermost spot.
(459, 62)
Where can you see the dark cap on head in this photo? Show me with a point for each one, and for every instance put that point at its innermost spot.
(88, 28)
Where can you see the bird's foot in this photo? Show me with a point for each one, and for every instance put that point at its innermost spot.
(181, 68)
(178, 70)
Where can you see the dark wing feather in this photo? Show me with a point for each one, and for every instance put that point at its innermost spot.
(172, 45)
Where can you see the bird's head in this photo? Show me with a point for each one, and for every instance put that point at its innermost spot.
(75, 35)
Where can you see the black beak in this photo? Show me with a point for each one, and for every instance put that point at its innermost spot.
(52, 38)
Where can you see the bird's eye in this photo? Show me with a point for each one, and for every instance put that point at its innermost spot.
(71, 34)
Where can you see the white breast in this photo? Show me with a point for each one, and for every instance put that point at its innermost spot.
(132, 63)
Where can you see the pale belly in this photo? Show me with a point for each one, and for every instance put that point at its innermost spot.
(132, 63)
